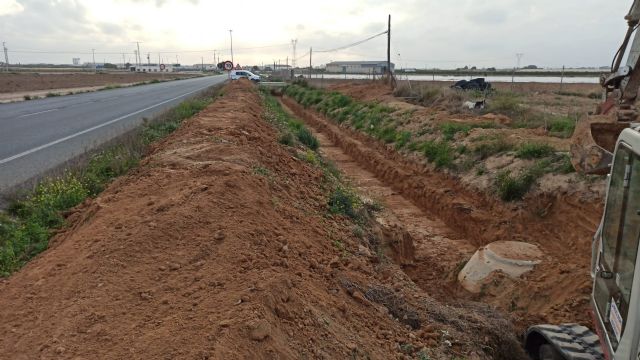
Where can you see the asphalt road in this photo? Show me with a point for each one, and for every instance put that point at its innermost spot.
(39, 135)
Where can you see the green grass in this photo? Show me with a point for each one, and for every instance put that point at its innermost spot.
(51, 94)
(27, 225)
(438, 152)
(561, 126)
(291, 129)
(534, 151)
(450, 129)
(506, 103)
(493, 146)
(513, 187)
(343, 201)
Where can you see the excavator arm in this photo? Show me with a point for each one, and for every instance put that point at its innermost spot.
(595, 136)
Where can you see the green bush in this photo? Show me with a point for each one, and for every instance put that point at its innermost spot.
(534, 151)
(562, 127)
(287, 139)
(450, 129)
(513, 187)
(492, 147)
(506, 103)
(306, 137)
(343, 202)
(438, 152)
(402, 139)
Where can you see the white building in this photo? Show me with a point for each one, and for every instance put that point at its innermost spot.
(153, 68)
(358, 67)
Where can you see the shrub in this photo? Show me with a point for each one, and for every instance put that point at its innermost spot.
(562, 126)
(438, 152)
(306, 137)
(402, 139)
(512, 187)
(492, 147)
(343, 202)
(534, 151)
(506, 103)
(286, 138)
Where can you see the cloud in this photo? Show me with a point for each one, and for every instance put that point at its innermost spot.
(10, 7)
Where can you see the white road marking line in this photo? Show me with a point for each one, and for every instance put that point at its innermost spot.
(39, 112)
(31, 151)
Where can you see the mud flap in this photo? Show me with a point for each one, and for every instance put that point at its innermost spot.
(573, 341)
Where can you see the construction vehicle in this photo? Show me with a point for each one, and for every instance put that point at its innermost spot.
(608, 142)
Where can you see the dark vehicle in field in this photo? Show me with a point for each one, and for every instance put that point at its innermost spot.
(473, 84)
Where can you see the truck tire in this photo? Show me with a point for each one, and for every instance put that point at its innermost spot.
(548, 352)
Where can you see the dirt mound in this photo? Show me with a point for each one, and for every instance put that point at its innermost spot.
(220, 246)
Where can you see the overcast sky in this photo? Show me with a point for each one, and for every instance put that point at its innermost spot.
(426, 33)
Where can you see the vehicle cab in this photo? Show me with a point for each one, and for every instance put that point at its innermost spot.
(238, 74)
(615, 296)
(616, 288)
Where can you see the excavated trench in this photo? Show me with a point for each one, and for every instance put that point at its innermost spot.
(435, 250)
(448, 223)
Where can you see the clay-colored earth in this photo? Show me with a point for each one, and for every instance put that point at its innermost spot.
(220, 246)
(25, 82)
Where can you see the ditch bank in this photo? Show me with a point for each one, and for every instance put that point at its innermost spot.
(556, 291)
(221, 245)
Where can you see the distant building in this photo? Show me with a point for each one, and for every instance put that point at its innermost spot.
(358, 67)
(76, 61)
(153, 68)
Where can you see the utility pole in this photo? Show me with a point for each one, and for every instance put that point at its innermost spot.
(389, 49)
(294, 42)
(202, 62)
(310, 66)
(93, 51)
(149, 59)
(6, 56)
(231, 37)
(124, 62)
(519, 57)
(139, 55)
(214, 58)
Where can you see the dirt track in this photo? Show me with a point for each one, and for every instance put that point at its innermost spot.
(198, 255)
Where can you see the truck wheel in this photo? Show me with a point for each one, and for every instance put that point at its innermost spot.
(548, 352)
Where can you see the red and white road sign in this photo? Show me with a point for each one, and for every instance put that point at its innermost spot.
(228, 65)
(162, 67)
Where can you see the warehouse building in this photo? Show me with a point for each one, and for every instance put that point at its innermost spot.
(358, 67)
(153, 68)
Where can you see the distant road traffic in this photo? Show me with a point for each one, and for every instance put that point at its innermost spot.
(40, 135)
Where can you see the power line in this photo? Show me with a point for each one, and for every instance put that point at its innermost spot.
(353, 44)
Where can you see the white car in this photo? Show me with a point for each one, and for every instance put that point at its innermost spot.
(237, 74)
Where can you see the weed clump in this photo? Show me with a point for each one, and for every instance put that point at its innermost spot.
(438, 152)
(492, 147)
(343, 201)
(561, 127)
(534, 151)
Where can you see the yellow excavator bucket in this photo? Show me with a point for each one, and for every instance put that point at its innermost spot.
(593, 143)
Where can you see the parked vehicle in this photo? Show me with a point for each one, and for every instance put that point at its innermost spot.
(473, 84)
(238, 74)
